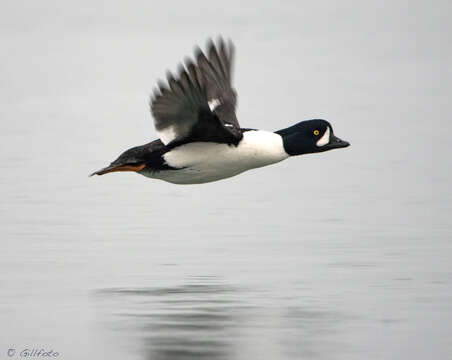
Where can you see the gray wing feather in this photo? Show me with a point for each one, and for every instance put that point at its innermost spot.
(177, 106)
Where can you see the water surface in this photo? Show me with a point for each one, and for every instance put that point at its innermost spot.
(341, 255)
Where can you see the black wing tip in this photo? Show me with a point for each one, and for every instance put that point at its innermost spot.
(211, 47)
(169, 76)
(197, 51)
(180, 69)
(217, 42)
(199, 55)
(187, 61)
(155, 94)
(220, 43)
(188, 64)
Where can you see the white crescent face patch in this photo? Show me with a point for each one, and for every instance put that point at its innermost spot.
(325, 139)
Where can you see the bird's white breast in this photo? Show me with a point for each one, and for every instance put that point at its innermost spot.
(201, 162)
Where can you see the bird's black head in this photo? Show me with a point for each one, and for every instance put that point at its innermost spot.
(310, 136)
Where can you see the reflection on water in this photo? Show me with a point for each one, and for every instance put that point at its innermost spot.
(312, 333)
(191, 321)
(341, 255)
(206, 319)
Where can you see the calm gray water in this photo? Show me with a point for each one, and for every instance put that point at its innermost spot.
(341, 255)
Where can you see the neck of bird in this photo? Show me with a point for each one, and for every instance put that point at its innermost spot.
(293, 141)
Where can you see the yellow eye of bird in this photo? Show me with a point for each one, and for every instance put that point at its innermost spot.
(316, 132)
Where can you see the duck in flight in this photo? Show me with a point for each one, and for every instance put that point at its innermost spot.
(200, 137)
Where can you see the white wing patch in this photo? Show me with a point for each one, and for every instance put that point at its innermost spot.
(213, 104)
(325, 139)
(167, 135)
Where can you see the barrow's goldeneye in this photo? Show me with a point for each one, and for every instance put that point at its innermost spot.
(200, 137)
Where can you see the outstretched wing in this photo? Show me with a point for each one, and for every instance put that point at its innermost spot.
(199, 104)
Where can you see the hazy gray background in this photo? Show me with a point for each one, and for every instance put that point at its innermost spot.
(341, 255)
